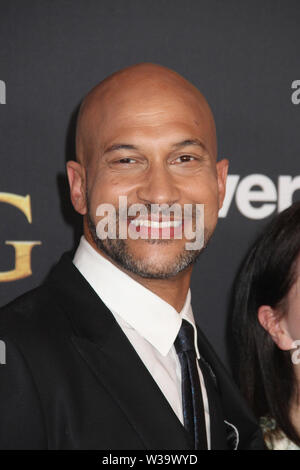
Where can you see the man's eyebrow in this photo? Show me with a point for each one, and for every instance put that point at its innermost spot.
(183, 143)
(187, 142)
(114, 147)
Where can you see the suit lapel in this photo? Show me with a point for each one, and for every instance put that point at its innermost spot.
(124, 376)
(114, 362)
(231, 407)
(217, 427)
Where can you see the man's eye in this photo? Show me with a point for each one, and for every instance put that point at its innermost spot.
(184, 159)
(125, 160)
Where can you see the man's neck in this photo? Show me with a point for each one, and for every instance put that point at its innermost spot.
(173, 290)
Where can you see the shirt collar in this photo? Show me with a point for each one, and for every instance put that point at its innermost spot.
(153, 318)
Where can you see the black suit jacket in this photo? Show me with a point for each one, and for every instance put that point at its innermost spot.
(72, 379)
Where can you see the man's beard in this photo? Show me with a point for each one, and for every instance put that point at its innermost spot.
(117, 250)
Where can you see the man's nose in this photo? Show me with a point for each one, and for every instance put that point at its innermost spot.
(158, 186)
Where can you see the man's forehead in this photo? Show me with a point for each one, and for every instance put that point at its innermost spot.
(163, 122)
(166, 132)
(152, 114)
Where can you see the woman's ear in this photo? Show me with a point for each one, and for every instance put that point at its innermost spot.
(274, 324)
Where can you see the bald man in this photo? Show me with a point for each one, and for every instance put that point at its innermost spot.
(93, 358)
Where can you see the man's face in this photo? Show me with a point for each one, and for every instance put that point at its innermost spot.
(154, 150)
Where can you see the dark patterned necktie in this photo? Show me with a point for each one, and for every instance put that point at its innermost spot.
(192, 401)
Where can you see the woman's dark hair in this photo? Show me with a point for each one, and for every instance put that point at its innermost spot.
(265, 373)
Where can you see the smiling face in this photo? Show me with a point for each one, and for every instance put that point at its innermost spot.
(151, 138)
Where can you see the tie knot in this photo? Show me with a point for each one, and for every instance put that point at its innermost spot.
(185, 338)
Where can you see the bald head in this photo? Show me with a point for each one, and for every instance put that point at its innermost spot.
(140, 93)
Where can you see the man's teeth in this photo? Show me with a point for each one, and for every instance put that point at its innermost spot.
(156, 224)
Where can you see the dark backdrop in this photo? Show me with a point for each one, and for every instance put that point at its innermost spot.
(244, 57)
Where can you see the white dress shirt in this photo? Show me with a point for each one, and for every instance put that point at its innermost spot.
(150, 323)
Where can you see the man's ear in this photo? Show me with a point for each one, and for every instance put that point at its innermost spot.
(222, 170)
(77, 182)
(274, 325)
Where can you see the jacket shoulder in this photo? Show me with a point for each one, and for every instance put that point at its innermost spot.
(31, 316)
(23, 308)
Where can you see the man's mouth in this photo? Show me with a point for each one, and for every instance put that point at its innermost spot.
(156, 228)
(156, 224)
